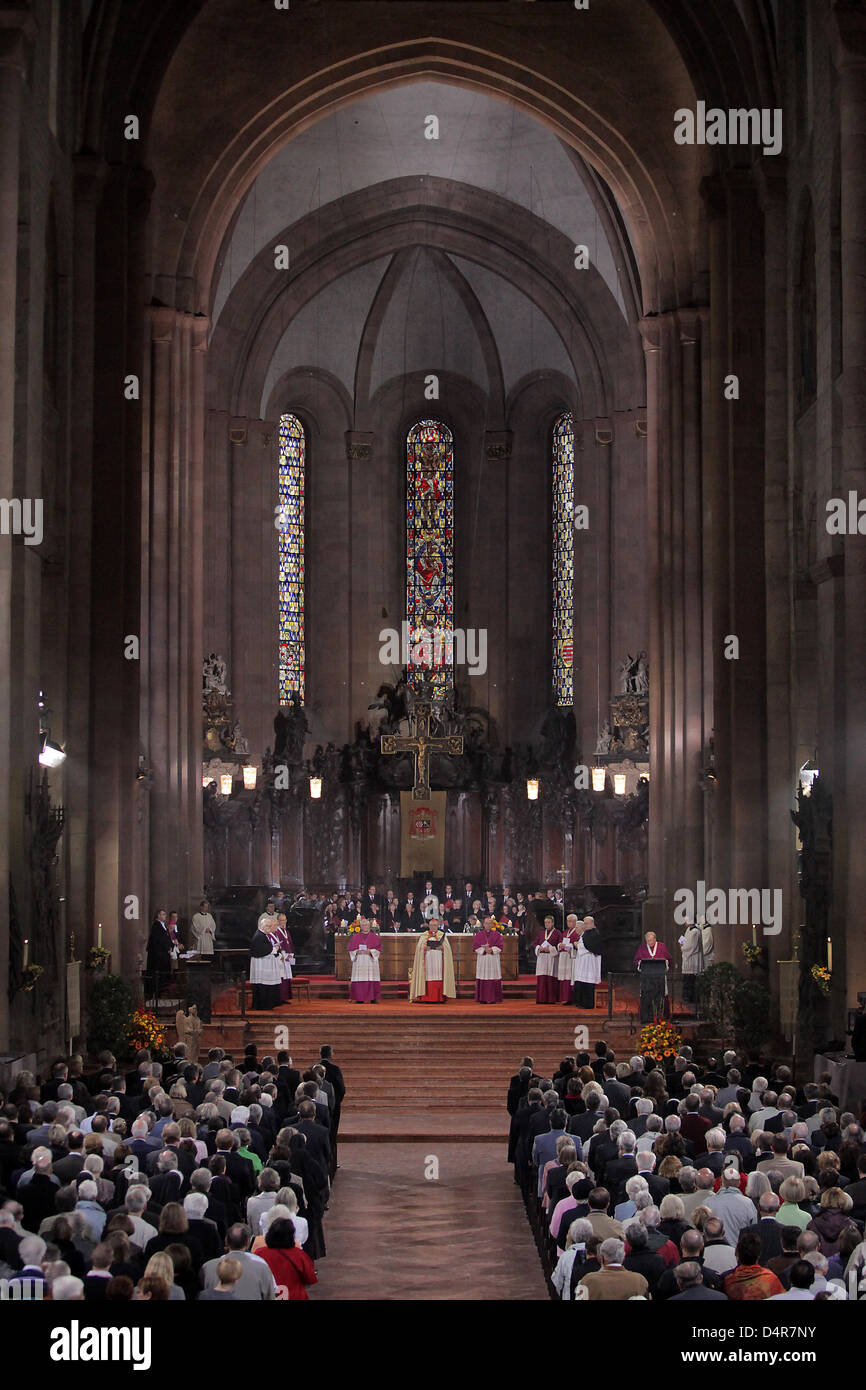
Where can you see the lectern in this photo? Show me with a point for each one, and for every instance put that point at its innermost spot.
(652, 989)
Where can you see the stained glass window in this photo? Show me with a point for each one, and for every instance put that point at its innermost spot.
(430, 554)
(290, 531)
(563, 560)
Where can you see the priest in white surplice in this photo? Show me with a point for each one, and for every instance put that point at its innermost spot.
(365, 948)
(565, 959)
(587, 966)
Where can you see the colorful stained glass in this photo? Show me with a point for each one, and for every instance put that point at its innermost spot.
(291, 558)
(563, 560)
(430, 554)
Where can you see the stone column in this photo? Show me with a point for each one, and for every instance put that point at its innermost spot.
(171, 660)
(848, 43)
(675, 542)
(16, 34)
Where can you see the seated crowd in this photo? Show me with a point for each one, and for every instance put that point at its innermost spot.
(172, 1182)
(691, 1184)
(460, 909)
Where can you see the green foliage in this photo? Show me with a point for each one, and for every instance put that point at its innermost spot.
(752, 1020)
(716, 989)
(110, 1005)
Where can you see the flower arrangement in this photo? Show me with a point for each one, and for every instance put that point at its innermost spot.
(98, 957)
(142, 1029)
(821, 976)
(660, 1039)
(32, 974)
(348, 928)
(754, 954)
(507, 928)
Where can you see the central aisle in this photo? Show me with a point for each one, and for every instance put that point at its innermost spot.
(392, 1233)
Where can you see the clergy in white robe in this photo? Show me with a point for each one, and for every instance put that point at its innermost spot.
(691, 945)
(587, 968)
(203, 929)
(565, 959)
(487, 945)
(365, 948)
(546, 963)
(265, 967)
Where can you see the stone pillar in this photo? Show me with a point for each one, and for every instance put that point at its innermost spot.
(171, 660)
(781, 859)
(675, 543)
(848, 42)
(735, 480)
(16, 34)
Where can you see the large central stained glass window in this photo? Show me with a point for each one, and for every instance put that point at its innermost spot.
(290, 531)
(563, 560)
(430, 554)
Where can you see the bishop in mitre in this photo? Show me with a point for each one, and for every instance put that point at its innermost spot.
(432, 979)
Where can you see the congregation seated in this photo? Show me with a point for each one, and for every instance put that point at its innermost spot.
(213, 1184)
(693, 1183)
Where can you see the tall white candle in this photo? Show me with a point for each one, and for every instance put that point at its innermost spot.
(99, 935)
(829, 955)
(754, 935)
(26, 951)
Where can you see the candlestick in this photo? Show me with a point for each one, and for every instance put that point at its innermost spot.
(99, 934)
(26, 951)
(829, 955)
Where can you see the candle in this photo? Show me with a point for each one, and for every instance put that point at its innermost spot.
(829, 955)
(99, 935)
(26, 951)
(754, 935)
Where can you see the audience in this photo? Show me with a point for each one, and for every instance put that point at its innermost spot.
(690, 1183)
(171, 1182)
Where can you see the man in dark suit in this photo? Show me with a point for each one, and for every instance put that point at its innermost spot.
(599, 1061)
(691, 1249)
(168, 1183)
(690, 1282)
(857, 1191)
(618, 1170)
(410, 917)
(238, 1170)
(518, 1151)
(714, 1158)
(617, 1093)
(316, 1134)
(584, 1123)
(68, 1168)
(519, 1084)
(158, 952)
(334, 1075)
(708, 1109)
(738, 1140)
(767, 1228)
(370, 900)
(206, 1232)
(658, 1187)
(470, 893)
(184, 1162)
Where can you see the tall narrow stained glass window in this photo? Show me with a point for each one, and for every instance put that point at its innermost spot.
(563, 559)
(290, 531)
(430, 554)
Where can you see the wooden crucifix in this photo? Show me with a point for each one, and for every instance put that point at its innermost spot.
(421, 743)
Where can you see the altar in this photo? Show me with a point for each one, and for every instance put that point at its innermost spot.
(398, 953)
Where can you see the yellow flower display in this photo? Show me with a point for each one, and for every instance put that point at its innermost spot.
(660, 1040)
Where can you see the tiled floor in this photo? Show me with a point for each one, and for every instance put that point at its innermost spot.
(394, 1233)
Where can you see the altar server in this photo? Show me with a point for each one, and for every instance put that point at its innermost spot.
(487, 945)
(365, 948)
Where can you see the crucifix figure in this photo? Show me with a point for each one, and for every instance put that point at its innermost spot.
(422, 743)
(562, 873)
